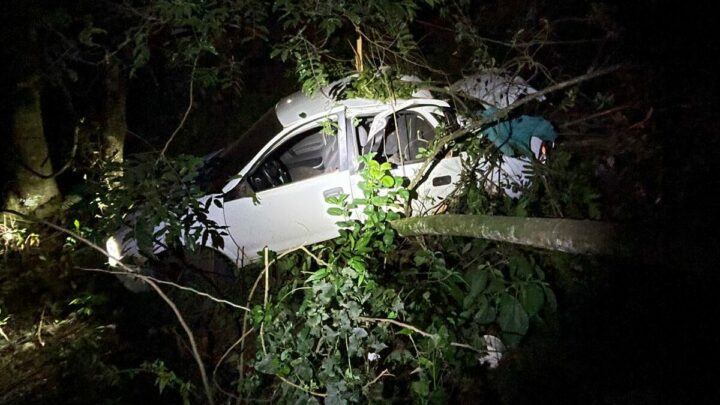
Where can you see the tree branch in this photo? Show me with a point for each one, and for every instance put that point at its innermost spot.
(558, 234)
(439, 146)
(170, 283)
(168, 301)
(187, 111)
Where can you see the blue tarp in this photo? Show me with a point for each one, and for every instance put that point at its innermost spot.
(514, 135)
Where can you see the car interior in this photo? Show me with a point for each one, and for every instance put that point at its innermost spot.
(399, 141)
(306, 155)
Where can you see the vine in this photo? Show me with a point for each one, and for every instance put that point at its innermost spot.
(371, 316)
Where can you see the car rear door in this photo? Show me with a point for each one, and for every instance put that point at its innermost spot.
(398, 136)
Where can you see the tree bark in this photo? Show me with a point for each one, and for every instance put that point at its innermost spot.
(563, 235)
(116, 122)
(32, 193)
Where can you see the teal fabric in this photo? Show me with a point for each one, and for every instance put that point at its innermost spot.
(514, 135)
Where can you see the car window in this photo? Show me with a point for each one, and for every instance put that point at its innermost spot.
(307, 154)
(226, 163)
(396, 138)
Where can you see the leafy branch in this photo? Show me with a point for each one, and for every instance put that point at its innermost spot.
(477, 125)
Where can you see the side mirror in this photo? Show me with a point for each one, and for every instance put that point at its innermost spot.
(241, 190)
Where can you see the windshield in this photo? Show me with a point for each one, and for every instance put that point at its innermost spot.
(228, 162)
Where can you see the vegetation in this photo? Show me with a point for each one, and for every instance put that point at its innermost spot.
(110, 101)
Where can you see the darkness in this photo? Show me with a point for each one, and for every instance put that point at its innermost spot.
(637, 331)
(645, 330)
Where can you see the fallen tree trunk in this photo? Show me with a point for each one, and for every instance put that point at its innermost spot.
(558, 234)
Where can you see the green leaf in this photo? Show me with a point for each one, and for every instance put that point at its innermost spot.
(520, 267)
(324, 291)
(486, 312)
(387, 181)
(532, 298)
(354, 310)
(478, 282)
(336, 211)
(357, 264)
(512, 317)
(318, 275)
(268, 365)
(422, 388)
(388, 237)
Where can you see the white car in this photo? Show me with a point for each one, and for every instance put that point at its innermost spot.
(274, 179)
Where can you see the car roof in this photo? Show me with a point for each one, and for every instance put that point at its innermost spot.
(288, 112)
(299, 105)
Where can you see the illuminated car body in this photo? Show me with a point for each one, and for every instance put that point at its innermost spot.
(274, 180)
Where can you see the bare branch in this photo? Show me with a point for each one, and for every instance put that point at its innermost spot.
(187, 111)
(168, 301)
(170, 283)
(501, 114)
(292, 384)
(418, 331)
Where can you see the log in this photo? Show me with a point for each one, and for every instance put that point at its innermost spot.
(558, 234)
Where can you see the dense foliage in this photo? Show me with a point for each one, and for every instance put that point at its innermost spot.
(356, 321)
(369, 316)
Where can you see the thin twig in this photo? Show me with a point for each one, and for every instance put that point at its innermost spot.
(62, 170)
(596, 115)
(39, 328)
(419, 331)
(222, 358)
(241, 366)
(170, 283)
(191, 339)
(397, 323)
(317, 259)
(292, 384)
(267, 275)
(187, 111)
(382, 374)
(265, 301)
(152, 284)
(467, 346)
(500, 114)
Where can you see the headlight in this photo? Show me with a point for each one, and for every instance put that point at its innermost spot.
(114, 251)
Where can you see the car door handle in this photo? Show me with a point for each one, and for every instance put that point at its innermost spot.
(441, 181)
(333, 192)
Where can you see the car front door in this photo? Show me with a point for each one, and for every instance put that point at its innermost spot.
(398, 137)
(280, 202)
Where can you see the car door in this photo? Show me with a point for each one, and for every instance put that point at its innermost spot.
(398, 137)
(280, 202)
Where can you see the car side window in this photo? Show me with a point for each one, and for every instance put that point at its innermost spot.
(398, 140)
(308, 154)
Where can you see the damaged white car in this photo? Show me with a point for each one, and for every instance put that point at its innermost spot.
(274, 179)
